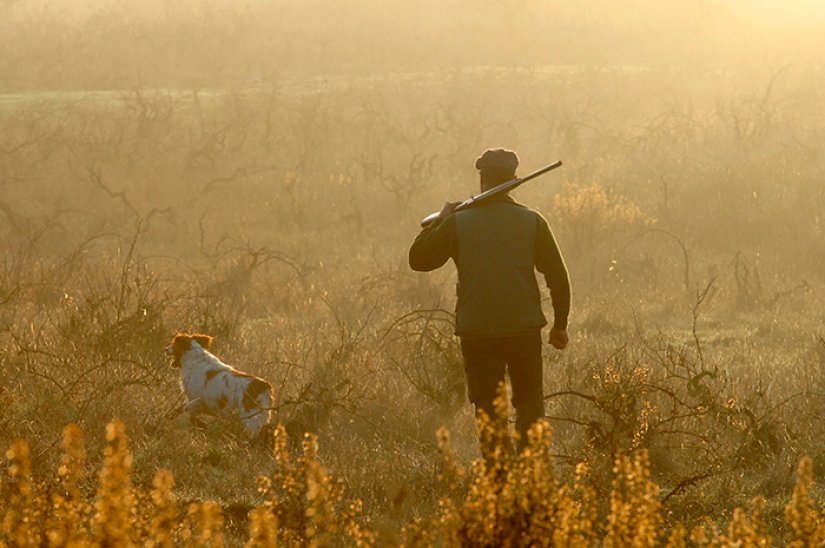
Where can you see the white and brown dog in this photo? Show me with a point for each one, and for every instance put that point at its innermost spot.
(214, 387)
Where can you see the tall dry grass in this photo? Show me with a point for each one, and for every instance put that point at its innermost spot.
(154, 180)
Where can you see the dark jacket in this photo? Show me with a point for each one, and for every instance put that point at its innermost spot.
(496, 247)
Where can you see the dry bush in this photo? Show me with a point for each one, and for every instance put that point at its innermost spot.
(591, 214)
(301, 504)
(507, 500)
(519, 500)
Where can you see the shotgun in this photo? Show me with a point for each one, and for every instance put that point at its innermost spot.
(495, 191)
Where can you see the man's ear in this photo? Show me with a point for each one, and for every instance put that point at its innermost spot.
(204, 340)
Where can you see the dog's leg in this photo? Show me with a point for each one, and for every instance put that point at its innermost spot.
(195, 408)
(176, 411)
(253, 420)
(259, 415)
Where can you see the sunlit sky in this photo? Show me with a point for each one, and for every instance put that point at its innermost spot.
(788, 10)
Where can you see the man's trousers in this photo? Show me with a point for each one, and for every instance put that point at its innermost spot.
(485, 362)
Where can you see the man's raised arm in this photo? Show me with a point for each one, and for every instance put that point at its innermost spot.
(435, 244)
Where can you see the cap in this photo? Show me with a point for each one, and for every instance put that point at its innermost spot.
(497, 159)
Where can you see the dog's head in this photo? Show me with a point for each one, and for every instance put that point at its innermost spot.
(182, 342)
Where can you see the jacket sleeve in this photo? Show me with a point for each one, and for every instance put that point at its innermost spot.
(550, 263)
(434, 245)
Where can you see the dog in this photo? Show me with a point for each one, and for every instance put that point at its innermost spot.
(216, 388)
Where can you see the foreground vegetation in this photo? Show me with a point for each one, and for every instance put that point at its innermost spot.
(506, 500)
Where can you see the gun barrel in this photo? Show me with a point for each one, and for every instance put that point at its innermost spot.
(487, 194)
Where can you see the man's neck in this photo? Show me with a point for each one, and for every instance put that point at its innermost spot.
(487, 185)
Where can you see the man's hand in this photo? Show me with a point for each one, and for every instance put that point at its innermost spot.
(558, 338)
(448, 209)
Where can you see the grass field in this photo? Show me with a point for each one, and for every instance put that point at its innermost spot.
(274, 212)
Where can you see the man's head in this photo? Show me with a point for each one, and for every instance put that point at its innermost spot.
(495, 166)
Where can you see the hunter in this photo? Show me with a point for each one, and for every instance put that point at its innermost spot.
(495, 246)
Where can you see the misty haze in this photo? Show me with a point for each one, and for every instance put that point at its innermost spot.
(222, 322)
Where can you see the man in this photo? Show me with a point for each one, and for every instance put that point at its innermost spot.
(495, 246)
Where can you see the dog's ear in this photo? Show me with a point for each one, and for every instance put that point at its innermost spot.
(204, 340)
(181, 343)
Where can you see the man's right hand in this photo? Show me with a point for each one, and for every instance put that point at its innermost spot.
(558, 338)
(448, 209)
